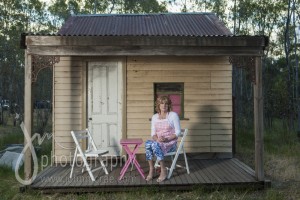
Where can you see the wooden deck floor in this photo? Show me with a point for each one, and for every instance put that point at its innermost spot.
(213, 172)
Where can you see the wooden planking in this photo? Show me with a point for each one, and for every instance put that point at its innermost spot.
(193, 108)
(221, 143)
(149, 97)
(67, 110)
(146, 132)
(69, 80)
(65, 145)
(187, 102)
(221, 73)
(171, 59)
(221, 149)
(146, 91)
(67, 127)
(221, 79)
(145, 127)
(63, 138)
(68, 121)
(221, 85)
(180, 67)
(62, 134)
(216, 172)
(225, 114)
(221, 126)
(167, 73)
(72, 92)
(184, 122)
(154, 79)
(67, 116)
(68, 74)
(139, 121)
(66, 67)
(221, 132)
(193, 140)
(198, 90)
(136, 109)
(192, 121)
(67, 105)
(68, 86)
(196, 149)
(66, 98)
(221, 137)
(221, 120)
(64, 153)
(207, 94)
(208, 114)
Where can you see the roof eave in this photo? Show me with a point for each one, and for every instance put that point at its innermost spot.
(209, 41)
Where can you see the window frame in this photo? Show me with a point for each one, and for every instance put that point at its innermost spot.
(167, 93)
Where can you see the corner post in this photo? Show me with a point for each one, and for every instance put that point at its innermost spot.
(258, 121)
(28, 115)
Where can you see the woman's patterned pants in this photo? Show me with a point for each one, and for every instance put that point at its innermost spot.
(153, 149)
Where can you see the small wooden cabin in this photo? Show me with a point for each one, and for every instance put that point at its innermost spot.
(109, 69)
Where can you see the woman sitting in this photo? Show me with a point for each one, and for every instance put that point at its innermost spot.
(165, 127)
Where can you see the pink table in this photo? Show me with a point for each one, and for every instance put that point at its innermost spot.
(131, 155)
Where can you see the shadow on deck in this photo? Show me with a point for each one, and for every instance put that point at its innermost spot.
(208, 173)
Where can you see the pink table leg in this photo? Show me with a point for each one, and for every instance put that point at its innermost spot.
(131, 159)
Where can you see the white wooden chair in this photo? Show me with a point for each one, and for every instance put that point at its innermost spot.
(90, 152)
(174, 155)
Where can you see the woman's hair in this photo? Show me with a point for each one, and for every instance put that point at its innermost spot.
(163, 99)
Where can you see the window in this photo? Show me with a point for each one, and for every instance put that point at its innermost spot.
(175, 92)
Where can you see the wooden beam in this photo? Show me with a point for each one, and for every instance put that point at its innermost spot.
(27, 116)
(258, 122)
(212, 41)
(143, 51)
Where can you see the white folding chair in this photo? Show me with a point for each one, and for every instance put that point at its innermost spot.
(90, 152)
(174, 155)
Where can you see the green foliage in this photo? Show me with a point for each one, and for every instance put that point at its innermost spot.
(143, 6)
(16, 17)
(218, 7)
(280, 141)
(12, 135)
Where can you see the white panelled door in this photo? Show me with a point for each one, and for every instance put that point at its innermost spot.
(105, 104)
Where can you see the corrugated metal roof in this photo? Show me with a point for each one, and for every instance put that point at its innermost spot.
(170, 24)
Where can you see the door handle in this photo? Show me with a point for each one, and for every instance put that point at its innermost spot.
(90, 118)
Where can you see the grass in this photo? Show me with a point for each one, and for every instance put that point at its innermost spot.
(281, 159)
(10, 134)
(282, 165)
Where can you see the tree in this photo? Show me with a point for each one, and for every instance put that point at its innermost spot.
(143, 6)
(16, 17)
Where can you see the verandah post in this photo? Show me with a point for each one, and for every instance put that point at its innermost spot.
(28, 116)
(258, 121)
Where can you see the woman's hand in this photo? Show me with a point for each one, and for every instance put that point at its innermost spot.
(162, 139)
